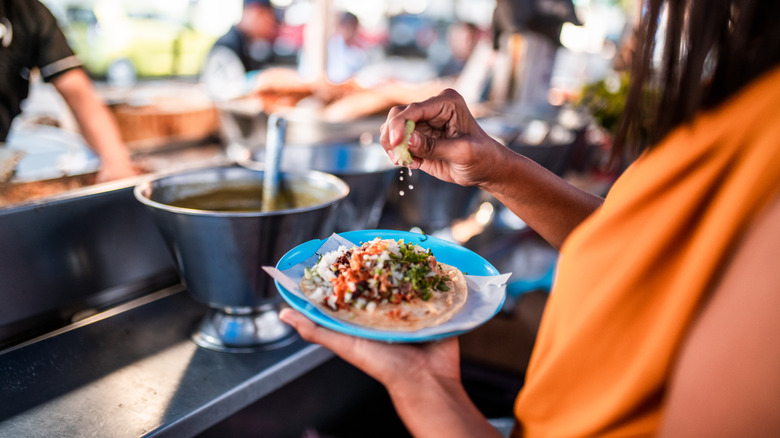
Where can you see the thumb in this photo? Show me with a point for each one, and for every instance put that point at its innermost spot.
(312, 332)
(300, 323)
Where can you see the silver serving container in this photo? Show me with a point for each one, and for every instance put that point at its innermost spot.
(366, 168)
(422, 201)
(244, 122)
(220, 254)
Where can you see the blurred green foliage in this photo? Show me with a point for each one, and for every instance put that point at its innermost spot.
(605, 100)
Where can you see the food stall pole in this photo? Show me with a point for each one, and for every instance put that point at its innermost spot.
(315, 39)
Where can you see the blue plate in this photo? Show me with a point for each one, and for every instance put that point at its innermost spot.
(480, 305)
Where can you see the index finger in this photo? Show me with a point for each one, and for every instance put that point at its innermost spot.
(392, 131)
(385, 129)
(436, 111)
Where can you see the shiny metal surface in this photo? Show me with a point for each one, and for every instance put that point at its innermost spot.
(244, 122)
(254, 330)
(364, 167)
(136, 373)
(75, 254)
(420, 200)
(220, 254)
(277, 128)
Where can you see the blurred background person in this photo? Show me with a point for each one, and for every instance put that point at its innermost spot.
(462, 39)
(31, 40)
(243, 51)
(345, 55)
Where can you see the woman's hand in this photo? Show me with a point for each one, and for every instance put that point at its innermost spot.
(390, 364)
(447, 143)
(423, 380)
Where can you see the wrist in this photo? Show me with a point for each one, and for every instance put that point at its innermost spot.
(419, 385)
(504, 168)
(436, 406)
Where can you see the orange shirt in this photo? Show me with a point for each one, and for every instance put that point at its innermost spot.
(632, 277)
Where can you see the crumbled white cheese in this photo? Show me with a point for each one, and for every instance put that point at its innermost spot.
(328, 259)
(331, 302)
(318, 295)
(394, 247)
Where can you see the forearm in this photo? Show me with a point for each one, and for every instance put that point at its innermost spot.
(431, 407)
(423, 379)
(98, 126)
(449, 144)
(547, 203)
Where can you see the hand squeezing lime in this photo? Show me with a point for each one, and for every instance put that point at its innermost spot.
(402, 150)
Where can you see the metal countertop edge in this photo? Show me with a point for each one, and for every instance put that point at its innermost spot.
(230, 391)
(246, 393)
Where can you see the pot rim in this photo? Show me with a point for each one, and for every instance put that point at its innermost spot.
(142, 191)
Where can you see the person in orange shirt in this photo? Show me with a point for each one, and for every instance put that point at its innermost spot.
(662, 319)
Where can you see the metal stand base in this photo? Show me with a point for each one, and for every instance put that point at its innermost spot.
(242, 332)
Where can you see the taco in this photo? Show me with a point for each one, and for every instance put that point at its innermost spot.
(385, 284)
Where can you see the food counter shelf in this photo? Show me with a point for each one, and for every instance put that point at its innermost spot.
(135, 372)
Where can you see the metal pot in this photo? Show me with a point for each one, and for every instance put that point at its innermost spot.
(219, 254)
(244, 122)
(420, 200)
(365, 168)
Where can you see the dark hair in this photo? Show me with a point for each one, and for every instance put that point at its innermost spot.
(712, 49)
(348, 18)
(263, 3)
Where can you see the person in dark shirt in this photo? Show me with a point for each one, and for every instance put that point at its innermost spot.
(247, 47)
(31, 39)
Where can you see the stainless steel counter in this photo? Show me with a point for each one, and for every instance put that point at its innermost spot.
(133, 371)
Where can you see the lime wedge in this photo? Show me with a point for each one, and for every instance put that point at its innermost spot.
(402, 150)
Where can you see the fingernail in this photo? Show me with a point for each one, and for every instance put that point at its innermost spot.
(395, 138)
(414, 139)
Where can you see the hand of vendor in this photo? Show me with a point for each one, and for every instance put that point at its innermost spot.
(117, 167)
(423, 380)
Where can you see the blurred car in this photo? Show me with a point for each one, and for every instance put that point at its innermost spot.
(122, 45)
